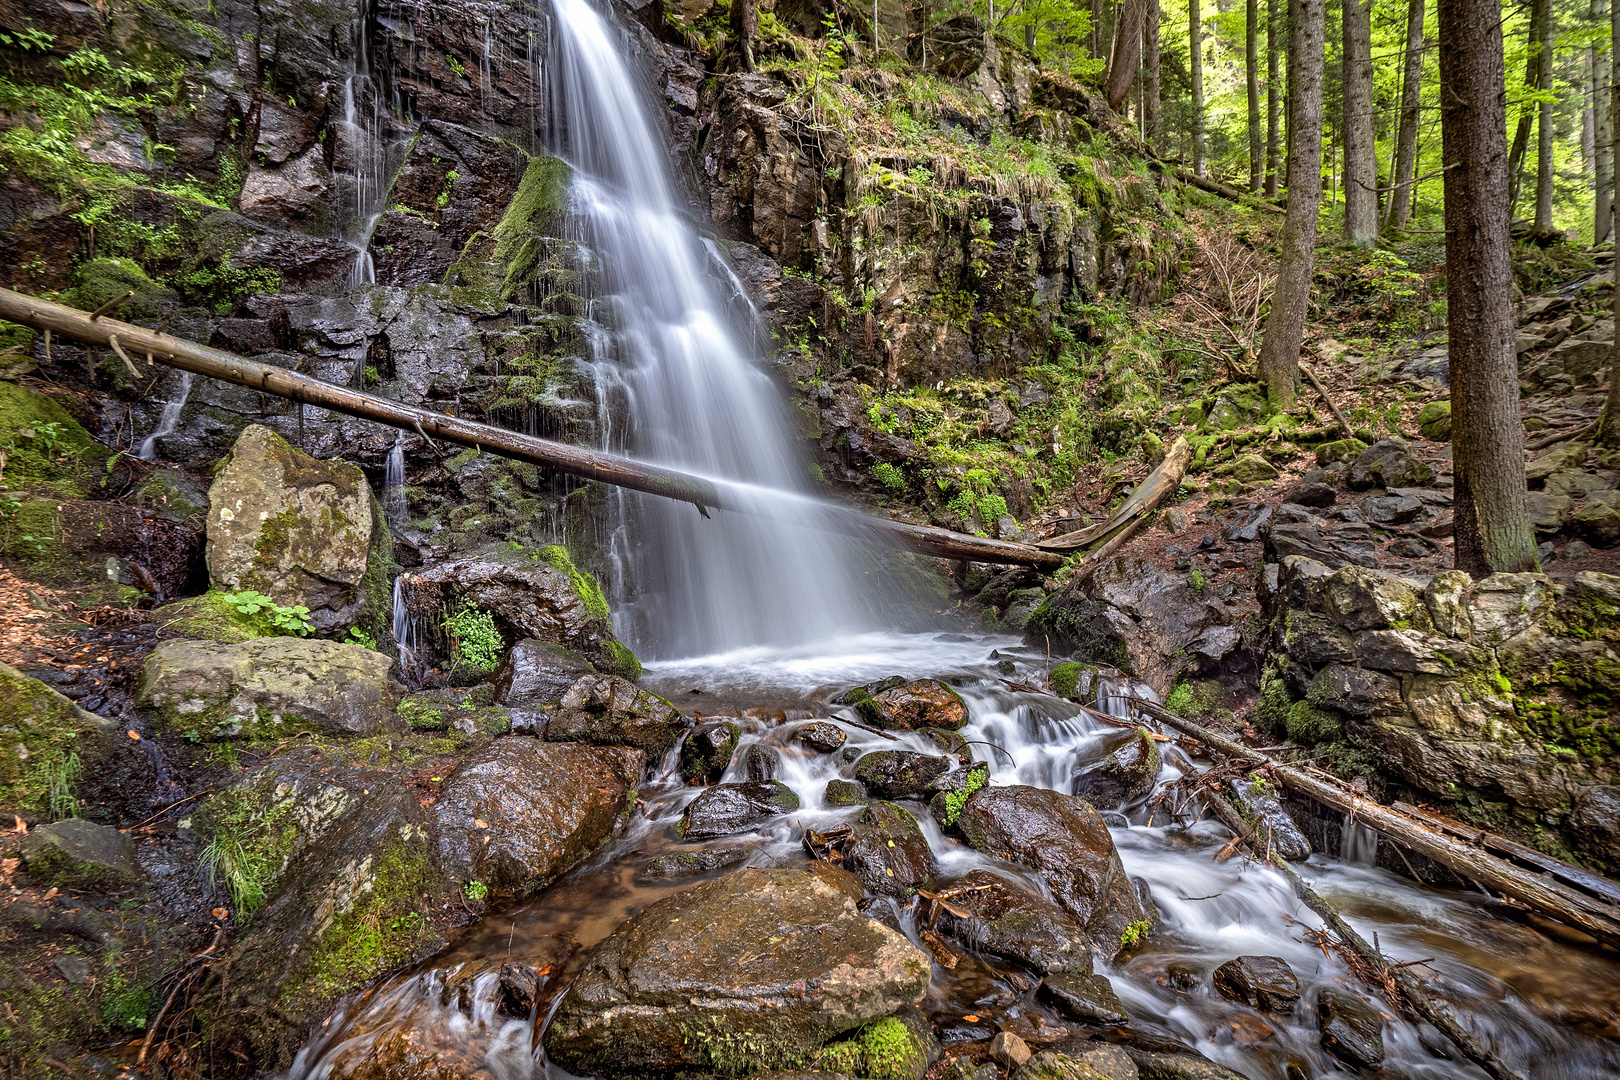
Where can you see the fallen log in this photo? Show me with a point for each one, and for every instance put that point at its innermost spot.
(561, 457)
(1349, 432)
(1161, 482)
(1215, 187)
(1587, 913)
(1396, 982)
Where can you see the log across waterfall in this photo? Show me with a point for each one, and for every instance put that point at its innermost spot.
(574, 460)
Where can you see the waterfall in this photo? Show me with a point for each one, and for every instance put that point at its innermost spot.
(393, 499)
(362, 150)
(169, 419)
(404, 628)
(1359, 844)
(695, 397)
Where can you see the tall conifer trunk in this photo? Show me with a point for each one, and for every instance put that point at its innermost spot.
(1273, 97)
(1195, 40)
(1400, 199)
(1360, 152)
(1251, 64)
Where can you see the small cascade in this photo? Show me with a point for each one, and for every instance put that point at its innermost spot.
(1359, 843)
(393, 500)
(364, 148)
(404, 627)
(169, 420)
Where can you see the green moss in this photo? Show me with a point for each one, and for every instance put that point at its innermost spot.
(1310, 726)
(42, 735)
(250, 841)
(1271, 710)
(740, 1051)
(1064, 679)
(622, 661)
(1134, 933)
(44, 447)
(421, 713)
(1194, 700)
(209, 618)
(956, 800)
(885, 1049)
(585, 585)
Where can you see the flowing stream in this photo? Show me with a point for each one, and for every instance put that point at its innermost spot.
(768, 619)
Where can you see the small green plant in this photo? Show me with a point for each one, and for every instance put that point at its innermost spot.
(227, 859)
(124, 1007)
(888, 475)
(956, 800)
(1195, 579)
(475, 891)
(277, 618)
(475, 642)
(360, 637)
(444, 194)
(456, 66)
(62, 769)
(31, 39)
(1134, 933)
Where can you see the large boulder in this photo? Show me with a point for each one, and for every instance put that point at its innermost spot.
(610, 711)
(538, 672)
(1388, 463)
(522, 812)
(889, 854)
(1011, 923)
(1064, 840)
(752, 971)
(41, 730)
(79, 854)
(708, 749)
(923, 703)
(1127, 768)
(727, 809)
(901, 774)
(532, 593)
(266, 688)
(290, 526)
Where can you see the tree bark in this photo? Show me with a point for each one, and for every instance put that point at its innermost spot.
(1152, 113)
(1602, 134)
(744, 25)
(1195, 41)
(1251, 64)
(1400, 199)
(1544, 129)
(1273, 97)
(1492, 523)
(1527, 112)
(1127, 53)
(1285, 326)
(1360, 152)
(1608, 431)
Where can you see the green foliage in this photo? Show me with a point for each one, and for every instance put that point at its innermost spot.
(888, 475)
(60, 772)
(274, 618)
(124, 1007)
(585, 585)
(956, 800)
(1134, 933)
(226, 857)
(476, 643)
(475, 891)
(361, 637)
(224, 288)
(456, 66)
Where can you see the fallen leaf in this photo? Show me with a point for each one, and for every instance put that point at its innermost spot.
(134, 736)
(480, 823)
(52, 891)
(221, 913)
(21, 827)
(970, 1018)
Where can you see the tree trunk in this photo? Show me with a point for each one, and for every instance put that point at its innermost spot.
(1360, 152)
(1273, 97)
(1251, 64)
(1602, 135)
(1285, 326)
(1608, 432)
(1544, 129)
(1492, 524)
(1127, 52)
(1195, 41)
(744, 24)
(1152, 114)
(1400, 199)
(1527, 112)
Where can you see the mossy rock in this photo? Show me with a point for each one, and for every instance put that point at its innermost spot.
(209, 618)
(1434, 422)
(104, 279)
(44, 738)
(1250, 469)
(1339, 450)
(1066, 681)
(79, 854)
(46, 449)
(894, 1048)
(1238, 406)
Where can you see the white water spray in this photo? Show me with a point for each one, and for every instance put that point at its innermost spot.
(394, 504)
(404, 628)
(169, 420)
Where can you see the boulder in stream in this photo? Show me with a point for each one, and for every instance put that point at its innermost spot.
(761, 762)
(708, 749)
(611, 711)
(1261, 982)
(1126, 771)
(1011, 923)
(748, 972)
(727, 809)
(1352, 1029)
(1277, 831)
(822, 735)
(900, 774)
(889, 855)
(1064, 840)
(521, 812)
(698, 861)
(1085, 997)
(911, 706)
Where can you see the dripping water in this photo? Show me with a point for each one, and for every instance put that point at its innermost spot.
(394, 504)
(169, 419)
(404, 627)
(1358, 844)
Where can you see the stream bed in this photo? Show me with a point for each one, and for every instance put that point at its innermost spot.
(1550, 1007)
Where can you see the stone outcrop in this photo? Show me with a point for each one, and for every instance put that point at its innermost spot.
(1011, 923)
(688, 984)
(610, 711)
(81, 855)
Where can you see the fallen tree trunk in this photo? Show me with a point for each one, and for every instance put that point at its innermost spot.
(573, 460)
(1215, 187)
(1161, 482)
(1549, 897)
(1395, 982)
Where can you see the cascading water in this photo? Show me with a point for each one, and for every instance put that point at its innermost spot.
(696, 400)
(169, 420)
(394, 503)
(362, 157)
(404, 628)
(1358, 845)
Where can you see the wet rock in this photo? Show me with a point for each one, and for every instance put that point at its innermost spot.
(688, 983)
(843, 793)
(266, 688)
(1154, 1065)
(74, 969)
(900, 774)
(1596, 819)
(1355, 691)
(1362, 600)
(1504, 606)
(1312, 493)
(1434, 422)
(707, 751)
(1012, 923)
(727, 809)
(1251, 469)
(889, 854)
(920, 704)
(1388, 463)
(1009, 1050)
(290, 196)
(1575, 483)
(78, 854)
(1080, 1060)
(610, 711)
(760, 762)
(1251, 528)
(521, 812)
(1352, 1030)
(38, 725)
(820, 735)
(1599, 519)
(1256, 801)
(537, 672)
(1331, 545)
(1570, 455)
(701, 861)
(1064, 840)
(519, 990)
(1262, 982)
(1084, 997)
(533, 593)
(292, 527)
(1127, 770)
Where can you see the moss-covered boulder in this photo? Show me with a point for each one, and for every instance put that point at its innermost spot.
(533, 593)
(46, 743)
(79, 854)
(901, 774)
(1434, 422)
(522, 812)
(43, 448)
(266, 688)
(291, 526)
(335, 864)
(889, 854)
(708, 749)
(899, 1047)
(752, 971)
